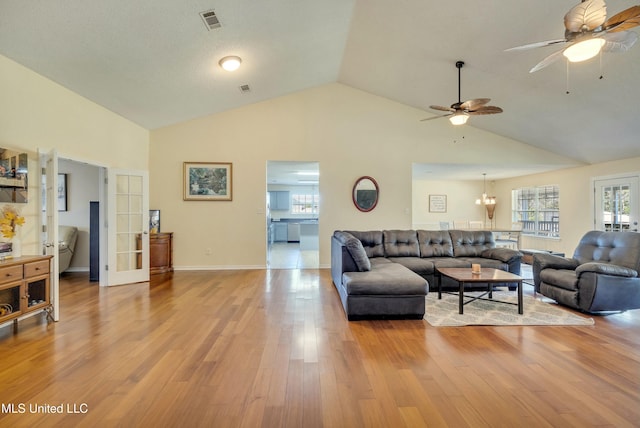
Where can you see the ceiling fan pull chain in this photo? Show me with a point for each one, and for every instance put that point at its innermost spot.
(601, 73)
(567, 77)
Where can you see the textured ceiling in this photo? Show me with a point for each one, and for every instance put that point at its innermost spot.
(155, 63)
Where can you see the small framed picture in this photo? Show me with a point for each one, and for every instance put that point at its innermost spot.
(62, 192)
(154, 221)
(207, 181)
(437, 203)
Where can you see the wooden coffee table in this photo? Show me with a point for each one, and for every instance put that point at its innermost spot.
(489, 276)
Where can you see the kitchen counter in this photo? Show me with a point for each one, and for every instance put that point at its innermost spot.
(309, 236)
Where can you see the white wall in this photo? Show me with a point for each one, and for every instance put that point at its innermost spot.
(82, 187)
(349, 132)
(38, 113)
(461, 196)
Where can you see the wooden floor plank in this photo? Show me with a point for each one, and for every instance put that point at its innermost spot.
(274, 349)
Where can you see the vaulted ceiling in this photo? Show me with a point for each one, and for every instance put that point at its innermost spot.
(155, 63)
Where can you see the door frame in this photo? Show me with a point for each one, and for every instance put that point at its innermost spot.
(635, 204)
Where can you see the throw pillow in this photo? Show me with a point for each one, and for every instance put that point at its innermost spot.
(356, 249)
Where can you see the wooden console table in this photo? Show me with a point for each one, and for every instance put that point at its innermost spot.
(24, 287)
(160, 252)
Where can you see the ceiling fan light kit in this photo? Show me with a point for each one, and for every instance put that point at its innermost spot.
(459, 118)
(584, 50)
(589, 32)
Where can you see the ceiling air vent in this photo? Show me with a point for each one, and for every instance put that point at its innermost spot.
(210, 19)
(245, 88)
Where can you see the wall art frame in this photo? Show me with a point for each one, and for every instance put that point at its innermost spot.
(437, 203)
(207, 181)
(62, 192)
(154, 221)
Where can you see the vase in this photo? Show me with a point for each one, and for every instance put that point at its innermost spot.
(16, 247)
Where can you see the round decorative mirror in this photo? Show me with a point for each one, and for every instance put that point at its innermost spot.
(365, 194)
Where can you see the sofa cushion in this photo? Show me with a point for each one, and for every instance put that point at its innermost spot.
(355, 249)
(385, 279)
(435, 243)
(471, 243)
(401, 243)
(418, 265)
(486, 263)
(371, 241)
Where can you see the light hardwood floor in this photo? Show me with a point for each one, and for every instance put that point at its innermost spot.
(273, 349)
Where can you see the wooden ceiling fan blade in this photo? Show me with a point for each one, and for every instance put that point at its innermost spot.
(590, 14)
(619, 42)
(537, 45)
(442, 108)
(624, 20)
(435, 117)
(486, 110)
(547, 61)
(474, 104)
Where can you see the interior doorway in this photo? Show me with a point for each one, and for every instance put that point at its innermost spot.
(82, 185)
(292, 208)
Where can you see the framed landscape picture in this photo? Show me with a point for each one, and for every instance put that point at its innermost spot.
(207, 181)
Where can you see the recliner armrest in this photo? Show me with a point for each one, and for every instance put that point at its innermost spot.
(544, 261)
(607, 269)
(505, 255)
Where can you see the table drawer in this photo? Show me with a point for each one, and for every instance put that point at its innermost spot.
(11, 273)
(36, 268)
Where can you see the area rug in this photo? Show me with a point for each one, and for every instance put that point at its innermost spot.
(444, 312)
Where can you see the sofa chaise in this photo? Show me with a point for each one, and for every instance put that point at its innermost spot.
(387, 274)
(602, 275)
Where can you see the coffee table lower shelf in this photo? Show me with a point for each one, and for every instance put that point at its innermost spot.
(489, 276)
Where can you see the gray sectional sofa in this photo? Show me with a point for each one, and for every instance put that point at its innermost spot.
(387, 274)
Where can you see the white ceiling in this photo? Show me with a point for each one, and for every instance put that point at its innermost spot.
(155, 63)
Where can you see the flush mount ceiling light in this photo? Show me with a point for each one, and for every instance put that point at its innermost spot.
(230, 63)
(589, 32)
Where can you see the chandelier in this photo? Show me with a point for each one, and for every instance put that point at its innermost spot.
(487, 201)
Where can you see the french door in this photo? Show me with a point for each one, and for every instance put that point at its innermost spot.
(617, 204)
(128, 234)
(49, 168)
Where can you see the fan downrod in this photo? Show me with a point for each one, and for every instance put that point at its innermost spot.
(459, 65)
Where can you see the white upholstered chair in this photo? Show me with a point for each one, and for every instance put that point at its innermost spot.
(460, 224)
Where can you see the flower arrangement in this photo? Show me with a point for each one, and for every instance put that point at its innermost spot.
(9, 221)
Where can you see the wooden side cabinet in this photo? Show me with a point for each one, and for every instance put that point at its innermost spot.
(24, 286)
(160, 252)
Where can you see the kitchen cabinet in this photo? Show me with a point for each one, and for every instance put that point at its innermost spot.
(280, 231)
(279, 200)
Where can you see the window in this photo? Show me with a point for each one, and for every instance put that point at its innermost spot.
(304, 204)
(538, 209)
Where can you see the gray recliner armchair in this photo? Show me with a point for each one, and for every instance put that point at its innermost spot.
(602, 276)
(67, 237)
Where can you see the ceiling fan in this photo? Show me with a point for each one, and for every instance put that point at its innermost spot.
(459, 112)
(588, 32)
